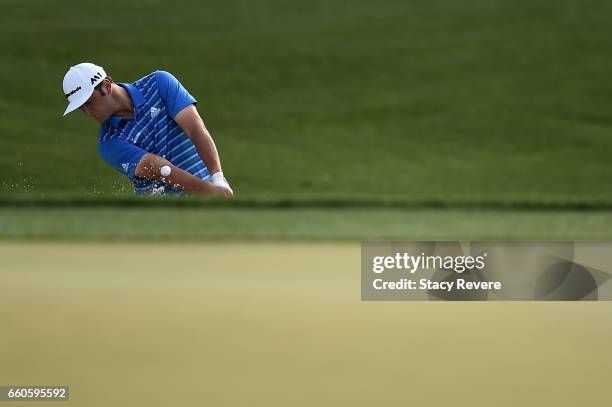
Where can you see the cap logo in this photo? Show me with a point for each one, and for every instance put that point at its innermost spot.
(72, 92)
(96, 77)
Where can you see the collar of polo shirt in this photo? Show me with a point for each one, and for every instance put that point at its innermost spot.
(138, 100)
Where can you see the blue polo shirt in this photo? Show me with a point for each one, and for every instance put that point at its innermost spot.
(157, 99)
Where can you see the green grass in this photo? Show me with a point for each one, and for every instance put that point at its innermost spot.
(269, 324)
(214, 223)
(438, 99)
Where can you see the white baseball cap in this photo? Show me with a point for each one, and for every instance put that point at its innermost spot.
(79, 84)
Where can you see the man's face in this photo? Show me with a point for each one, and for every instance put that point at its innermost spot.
(99, 105)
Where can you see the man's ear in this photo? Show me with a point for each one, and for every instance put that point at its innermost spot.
(108, 86)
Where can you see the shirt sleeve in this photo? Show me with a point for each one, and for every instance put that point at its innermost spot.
(122, 155)
(172, 93)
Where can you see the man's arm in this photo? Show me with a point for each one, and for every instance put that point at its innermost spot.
(192, 124)
(150, 165)
(180, 106)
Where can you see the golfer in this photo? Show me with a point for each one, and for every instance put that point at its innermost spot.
(147, 125)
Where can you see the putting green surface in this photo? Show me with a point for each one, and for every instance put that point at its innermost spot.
(272, 324)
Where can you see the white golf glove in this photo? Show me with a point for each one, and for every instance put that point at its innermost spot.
(219, 179)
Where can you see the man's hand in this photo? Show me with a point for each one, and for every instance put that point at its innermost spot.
(219, 179)
(222, 191)
(150, 165)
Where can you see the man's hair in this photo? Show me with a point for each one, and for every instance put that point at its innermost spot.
(99, 86)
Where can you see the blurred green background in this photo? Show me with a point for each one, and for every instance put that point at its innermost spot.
(426, 99)
(439, 101)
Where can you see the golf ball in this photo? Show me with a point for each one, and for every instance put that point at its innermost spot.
(165, 171)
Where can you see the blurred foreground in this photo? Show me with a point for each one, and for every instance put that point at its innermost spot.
(266, 324)
(248, 223)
